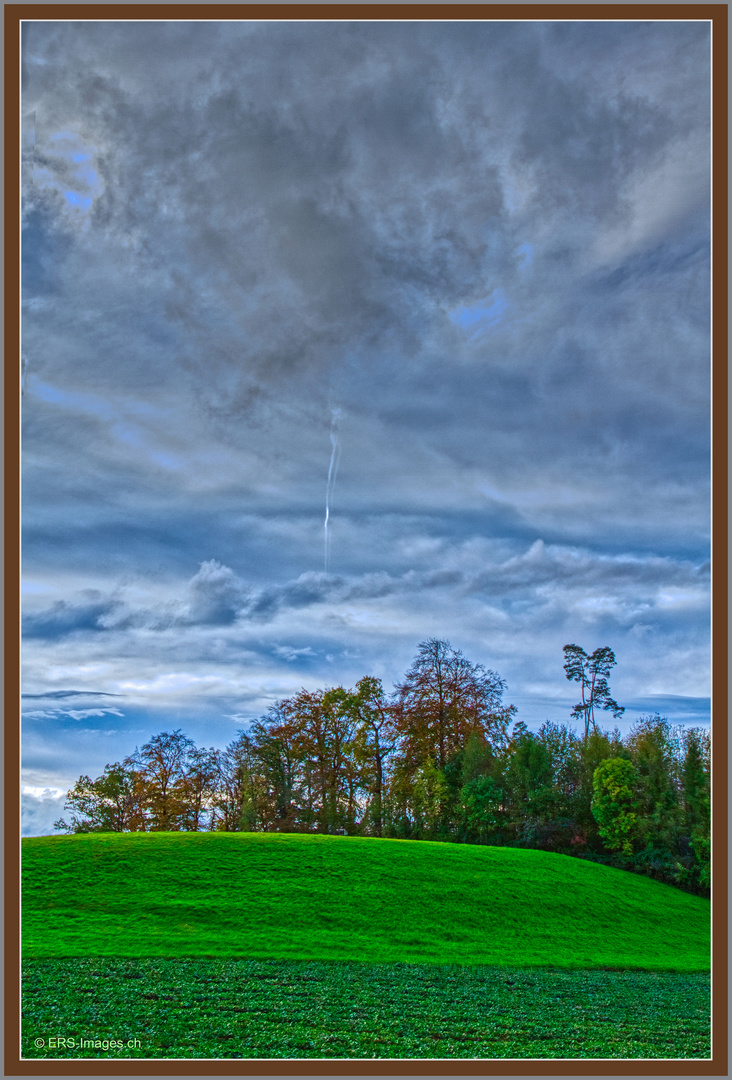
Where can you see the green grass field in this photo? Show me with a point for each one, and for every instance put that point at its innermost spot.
(273, 896)
(287, 946)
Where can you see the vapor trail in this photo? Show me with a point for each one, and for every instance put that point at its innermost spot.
(335, 457)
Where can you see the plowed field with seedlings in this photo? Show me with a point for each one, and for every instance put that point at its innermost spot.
(296, 1009)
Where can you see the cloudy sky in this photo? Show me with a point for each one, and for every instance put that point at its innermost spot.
(445, 284)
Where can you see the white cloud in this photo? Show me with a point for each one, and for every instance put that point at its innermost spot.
(39, 809)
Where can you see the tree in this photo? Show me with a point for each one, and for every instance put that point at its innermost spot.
(655, 749)
(239, 791)
(478, 759)
(695, 793)
(442, 700)
(199, 788)
(428, 802)
(695, 779)
(481, 799)
(374, 741)
(480, 795)
(303, 748)
(324, 724)
(589, 753)
(159, 769)
(571, 796)
(110, 803)
(614, 803)
(592, 674)
(529, 796)
(278, 760)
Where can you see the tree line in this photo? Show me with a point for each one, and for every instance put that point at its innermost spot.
(439, 758)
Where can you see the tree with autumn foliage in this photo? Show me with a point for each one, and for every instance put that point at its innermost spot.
(325, 729)
(279, 800)
(159, 770)
(442, 701)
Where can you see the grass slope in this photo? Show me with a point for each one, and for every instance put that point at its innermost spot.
(276, 896)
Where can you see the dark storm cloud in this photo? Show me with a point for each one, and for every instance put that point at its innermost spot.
(63, 618)
(216, 595)
(318, 588)
(213, 597)
(315, 190)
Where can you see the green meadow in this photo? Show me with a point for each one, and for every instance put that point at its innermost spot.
(279, 896)
(281, 945)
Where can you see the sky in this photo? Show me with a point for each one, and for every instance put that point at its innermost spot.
(338, 336)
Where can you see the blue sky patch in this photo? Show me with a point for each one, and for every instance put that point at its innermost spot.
(81, 202)
(481, 316)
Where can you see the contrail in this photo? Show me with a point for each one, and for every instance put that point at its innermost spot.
(335, 457)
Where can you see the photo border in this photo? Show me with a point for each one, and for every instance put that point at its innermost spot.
(717, 15)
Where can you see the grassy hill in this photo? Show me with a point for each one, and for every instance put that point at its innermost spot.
(292, 897)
